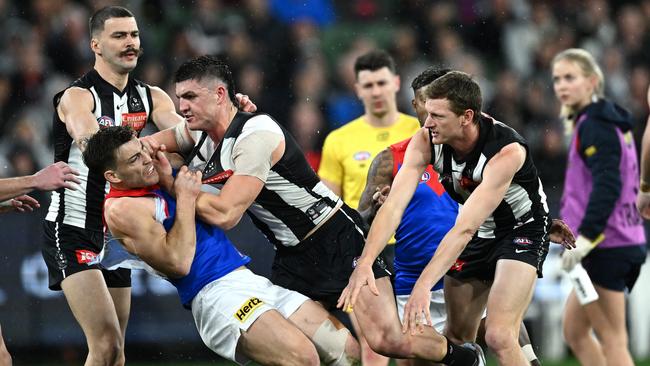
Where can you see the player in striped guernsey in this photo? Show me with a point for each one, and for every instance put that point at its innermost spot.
(105, 96)
(495, 250)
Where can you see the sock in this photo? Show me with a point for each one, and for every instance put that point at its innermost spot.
(457, 355)
(530, 355)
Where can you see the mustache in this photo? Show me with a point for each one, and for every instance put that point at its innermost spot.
(137, 51)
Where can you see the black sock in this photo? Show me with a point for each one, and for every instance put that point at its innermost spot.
(458, 355)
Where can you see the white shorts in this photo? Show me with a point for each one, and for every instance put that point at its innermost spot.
(436, 308)
(230, 305)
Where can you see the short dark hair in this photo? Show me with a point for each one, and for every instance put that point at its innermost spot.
(97, 20)
(99, 155)
(207, 67)
(373, 61)
(460, 89)
(427, 76)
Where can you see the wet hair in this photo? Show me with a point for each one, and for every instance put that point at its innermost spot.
(460, 90)
(100, 152)
(373, 61)
(207, 67)
(97, 20)
(427, 76)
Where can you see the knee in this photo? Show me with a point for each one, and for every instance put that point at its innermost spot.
(304, 355)
(107, 348)
(499, 338)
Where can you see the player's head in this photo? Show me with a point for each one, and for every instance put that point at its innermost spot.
(377, 83)
(120, 157)
(577, 79)
(204, 86)
(115, 38)
(453, 101)
(419, 84)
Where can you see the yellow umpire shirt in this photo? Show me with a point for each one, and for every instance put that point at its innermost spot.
(349, 150)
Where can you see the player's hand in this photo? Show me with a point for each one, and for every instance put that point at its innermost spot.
(416, 310)
(572, 257)
(150, 144)
(361, 276)
(643, 204)
(561, 233)
(163, 167)
(56, 176)
(379, 197)
(245, 104)
(22, 203)
(187, 183)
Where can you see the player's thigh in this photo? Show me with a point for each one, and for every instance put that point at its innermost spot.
(510, 293)
(575, 323)
(377, 314)
(91, 304)
(607, 316)
(122, 301)
(465, 301)
(272, 337)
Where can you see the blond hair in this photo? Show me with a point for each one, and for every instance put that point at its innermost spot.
(587, 63)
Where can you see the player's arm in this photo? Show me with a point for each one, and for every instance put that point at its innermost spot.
(173, 134)
(253, 157)
(52, 177)
(497, 177)
(380, 177)
(132, 220)
(416, 159)
(75, 109)
(330, 170)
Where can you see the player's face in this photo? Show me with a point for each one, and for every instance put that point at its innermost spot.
(119, 44)
(572, 87)
(377, 90)
(198, 103)
(418, 103)
(134, 165)
(443, 123)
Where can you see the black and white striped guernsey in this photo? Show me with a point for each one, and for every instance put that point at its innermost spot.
(83, 207)
(293, 200)
(524, 200)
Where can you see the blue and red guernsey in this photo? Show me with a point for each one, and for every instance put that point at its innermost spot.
(215, 255)
(427, 218)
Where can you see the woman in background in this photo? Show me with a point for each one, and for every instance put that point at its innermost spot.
(598, 203)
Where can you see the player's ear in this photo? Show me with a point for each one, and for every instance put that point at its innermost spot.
(111, 176)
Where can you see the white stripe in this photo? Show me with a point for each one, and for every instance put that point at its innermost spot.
(58, 245)
(98, 103)
(477, 176)
(260, 123)
(75, 200)
(143, 96)
(281, 231)
(119, 107)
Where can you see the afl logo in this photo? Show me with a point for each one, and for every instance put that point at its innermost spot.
(361, 156)
(105, 121)
(425, 177)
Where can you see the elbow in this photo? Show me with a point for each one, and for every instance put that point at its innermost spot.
(179, 268)
(230, 221)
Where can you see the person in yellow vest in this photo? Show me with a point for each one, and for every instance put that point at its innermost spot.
(349, 150)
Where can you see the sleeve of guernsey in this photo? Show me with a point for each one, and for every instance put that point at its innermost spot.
(330, 165)
(252, 152)
(600, 147)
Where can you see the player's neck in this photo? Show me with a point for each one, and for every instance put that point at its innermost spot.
(465, 145)
(222, 123)
(385, 120)
(114, 78)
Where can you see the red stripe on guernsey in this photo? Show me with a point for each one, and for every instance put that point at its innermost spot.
(431, 180)
(137, 192)
(219, 178)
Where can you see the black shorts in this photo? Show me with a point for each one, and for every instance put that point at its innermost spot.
(615, 268)
(320, 266)
(69, 249)
(527, 243)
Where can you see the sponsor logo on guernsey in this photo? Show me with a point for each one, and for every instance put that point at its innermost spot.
(219, 178)
(86, 256)
(248, 308)
(361, 155)
(134, 120)
(105, 121)
(425, 177)
(383, 136)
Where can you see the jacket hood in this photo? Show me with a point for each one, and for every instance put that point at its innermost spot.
(610, 112)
